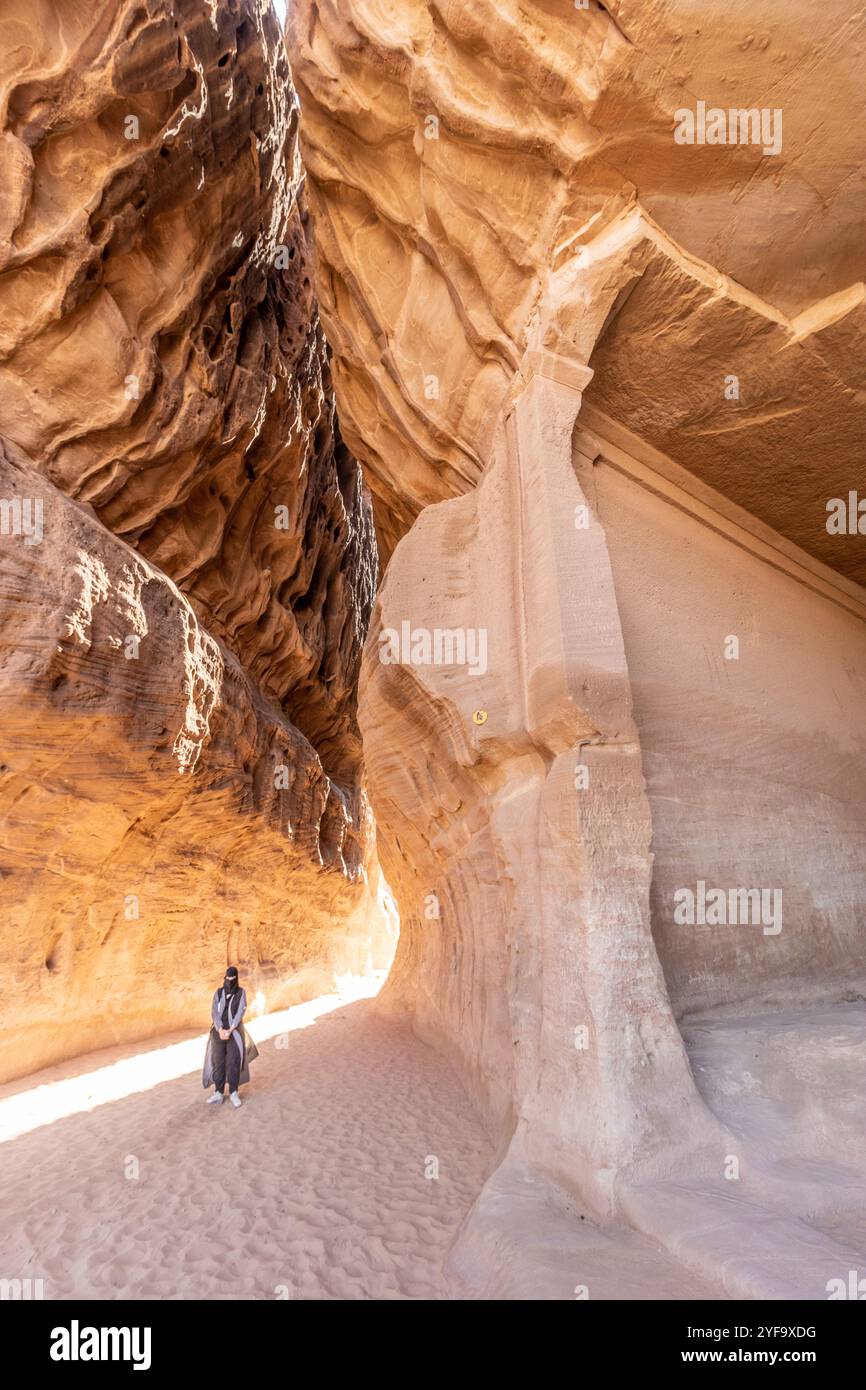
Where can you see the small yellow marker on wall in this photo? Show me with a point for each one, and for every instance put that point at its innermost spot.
(479, 716)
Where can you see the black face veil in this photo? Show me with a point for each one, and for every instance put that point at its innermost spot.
(230, 983)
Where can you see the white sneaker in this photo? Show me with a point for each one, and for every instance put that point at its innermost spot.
(235, 1099)
(216, 1098)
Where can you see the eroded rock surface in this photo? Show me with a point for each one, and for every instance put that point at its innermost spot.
(159, 812)
(161, 356)
(605, 384)
(486, 172)
(192, 615)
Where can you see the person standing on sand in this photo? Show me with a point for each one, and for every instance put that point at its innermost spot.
(230, 1049)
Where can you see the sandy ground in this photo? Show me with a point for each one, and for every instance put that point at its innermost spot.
(316, 1188)
(119, 1182)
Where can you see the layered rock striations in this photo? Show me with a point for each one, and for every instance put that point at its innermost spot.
(160, 814)
(604, 382)
(161, 357)
(471, 163)
(189, 619)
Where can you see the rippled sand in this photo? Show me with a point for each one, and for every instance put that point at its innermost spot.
(316, 1188)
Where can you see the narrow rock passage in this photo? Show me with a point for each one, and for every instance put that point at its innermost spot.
(316, 1187)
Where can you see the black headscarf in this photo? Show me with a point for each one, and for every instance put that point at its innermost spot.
(231, 983)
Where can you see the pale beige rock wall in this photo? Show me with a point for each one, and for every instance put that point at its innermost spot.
(535, 969)
(500, 205)
(755, 767)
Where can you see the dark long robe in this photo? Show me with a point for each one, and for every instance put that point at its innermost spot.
(241, 1038)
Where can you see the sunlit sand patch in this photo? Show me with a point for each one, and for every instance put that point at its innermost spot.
(56, 1100)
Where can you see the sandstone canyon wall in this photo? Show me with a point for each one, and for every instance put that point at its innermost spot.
(603, 384)
(187, 559)
(755, 765)
(507, 228)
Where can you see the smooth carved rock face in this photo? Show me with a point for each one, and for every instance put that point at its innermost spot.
(180, 646)
(160, 351)
(493, 175)
(540, 302)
